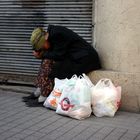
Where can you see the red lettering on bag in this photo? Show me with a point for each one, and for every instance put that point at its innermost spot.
(65, 104)
(118, 104)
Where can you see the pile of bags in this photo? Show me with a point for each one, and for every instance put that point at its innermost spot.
(78, 97)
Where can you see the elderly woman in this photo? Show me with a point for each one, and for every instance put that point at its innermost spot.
(63, 53)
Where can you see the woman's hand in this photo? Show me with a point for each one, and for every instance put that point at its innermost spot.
(37, 54)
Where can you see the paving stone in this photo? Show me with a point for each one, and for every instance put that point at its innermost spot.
(55, 125)
(19, 122)
(71, 133)
(87, 133)
(102, 133)
(138, 137)
(130, 135)
(116, 134)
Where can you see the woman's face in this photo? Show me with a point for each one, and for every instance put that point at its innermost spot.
(46, 45)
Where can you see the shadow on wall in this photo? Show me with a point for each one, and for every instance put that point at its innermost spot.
(36, 16)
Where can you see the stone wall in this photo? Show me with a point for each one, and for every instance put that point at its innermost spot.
(117, 39)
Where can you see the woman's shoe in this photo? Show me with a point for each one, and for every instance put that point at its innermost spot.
(41, 99)
(37, 92)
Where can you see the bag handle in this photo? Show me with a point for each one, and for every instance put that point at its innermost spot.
(88, 80)
(74, 76)
(105, 83)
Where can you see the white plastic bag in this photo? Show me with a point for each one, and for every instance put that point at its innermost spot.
(90, 84)
(105, 98)
(75, 100)
(52, 100)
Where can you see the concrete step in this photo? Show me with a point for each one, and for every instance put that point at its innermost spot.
(130, 83)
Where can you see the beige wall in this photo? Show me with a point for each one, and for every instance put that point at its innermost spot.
(117, 39)
(118, 34)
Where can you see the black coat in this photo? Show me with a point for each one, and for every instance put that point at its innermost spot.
(73, 55)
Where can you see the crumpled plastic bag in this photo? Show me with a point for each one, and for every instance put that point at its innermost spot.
(75, 100)
(52, 100)
(105, 98)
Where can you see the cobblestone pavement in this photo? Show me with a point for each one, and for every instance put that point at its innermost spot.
(19, 121)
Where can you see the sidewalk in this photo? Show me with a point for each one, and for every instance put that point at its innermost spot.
(18, 122)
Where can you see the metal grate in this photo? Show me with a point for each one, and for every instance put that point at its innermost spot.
(19, 17)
